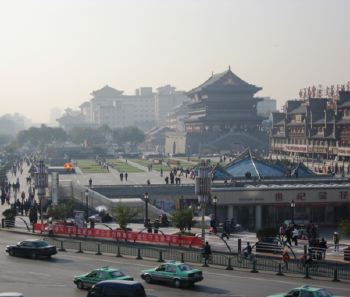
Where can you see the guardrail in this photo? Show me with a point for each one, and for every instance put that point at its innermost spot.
(335, 271)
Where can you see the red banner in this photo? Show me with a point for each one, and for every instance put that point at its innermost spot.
(126, 235)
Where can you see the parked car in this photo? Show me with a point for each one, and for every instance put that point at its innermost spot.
(87, 280)
(173, 272)
(117, 288)
(34, 248)
(11, 294)
(305, 291)
(268, 245)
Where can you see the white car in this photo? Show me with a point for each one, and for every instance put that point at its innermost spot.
(11, 294)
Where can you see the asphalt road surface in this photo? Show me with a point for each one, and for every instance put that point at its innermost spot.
(53, 278)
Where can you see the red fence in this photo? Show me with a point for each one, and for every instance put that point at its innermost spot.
(179, 240)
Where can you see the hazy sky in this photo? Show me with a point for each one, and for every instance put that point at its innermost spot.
(55, 52)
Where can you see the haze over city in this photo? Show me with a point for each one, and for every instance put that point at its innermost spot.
(54, 53)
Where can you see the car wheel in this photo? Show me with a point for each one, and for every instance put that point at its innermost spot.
(80, 285)
(11, 253)
(33, 256)
(148, 279)
(177, 283)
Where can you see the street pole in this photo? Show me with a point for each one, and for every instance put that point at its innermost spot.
(215, 201)
(41, 183)
(292, 205)
(146, 197)
(87, 204)
(202, 190)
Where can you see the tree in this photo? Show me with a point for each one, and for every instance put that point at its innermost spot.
(182, 218)
(61, 211)
(80, 135)
(123, 214)
(128, 134)
(41, 136)
(344, 227)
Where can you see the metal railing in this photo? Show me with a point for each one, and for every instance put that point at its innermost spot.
(328, 269)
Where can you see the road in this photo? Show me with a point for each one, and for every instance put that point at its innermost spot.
(43, 278)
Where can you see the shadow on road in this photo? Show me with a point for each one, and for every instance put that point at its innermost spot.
(209, 290)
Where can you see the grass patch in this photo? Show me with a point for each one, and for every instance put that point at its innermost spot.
(121, 166)
(90, 166)
(155, 167)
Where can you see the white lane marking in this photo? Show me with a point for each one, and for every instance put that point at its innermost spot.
(38, 273)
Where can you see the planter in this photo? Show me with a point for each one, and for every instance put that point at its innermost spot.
(347, 254)
(9, 222)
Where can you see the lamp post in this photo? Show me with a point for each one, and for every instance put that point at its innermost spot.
(292, 206)
(215, 201)
(202, 190)
(146, 197)
(87, 203)
(41, 183)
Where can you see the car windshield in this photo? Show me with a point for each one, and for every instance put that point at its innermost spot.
(40, 243)
(324, 293)
(185, 267)
(117, 273)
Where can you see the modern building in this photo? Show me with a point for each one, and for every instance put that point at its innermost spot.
(166, 99)
(313, 128)
(266, 107)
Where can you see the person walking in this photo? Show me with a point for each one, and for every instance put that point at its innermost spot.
(126, 176)
(295, 235)
(336, 241)
(121, 175)
(90, 183)
(206, 253)
(285, 258)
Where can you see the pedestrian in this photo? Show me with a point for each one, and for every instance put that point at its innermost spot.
(166, 179)
(285, 258)
(247, 251)
(336, 241)
(148, 182)
(281, 231)
(161, 172)
(121, 176)
(90, 182)
(126, 176)
(295, 235)
(206, 253)
(289, 235)
(323, 247)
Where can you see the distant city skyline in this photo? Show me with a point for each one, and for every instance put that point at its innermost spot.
(54, 53)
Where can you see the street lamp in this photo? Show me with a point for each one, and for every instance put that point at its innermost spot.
(87, 203)
(146, 197)
(292, 206)
(215, 201)
(202, 190)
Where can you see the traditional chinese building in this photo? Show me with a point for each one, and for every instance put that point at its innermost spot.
(223, 112)
(314, 128)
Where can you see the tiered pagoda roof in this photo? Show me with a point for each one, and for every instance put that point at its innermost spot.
(225, 80)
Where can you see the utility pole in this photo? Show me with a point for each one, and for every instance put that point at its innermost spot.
(202, 190)
(41, 183)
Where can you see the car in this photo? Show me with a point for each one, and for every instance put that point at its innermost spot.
(305, 291)
(117, 288)
(34, 248)
(175, 273)
(87, 280)
(11, 294)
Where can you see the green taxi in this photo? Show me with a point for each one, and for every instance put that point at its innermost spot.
(175, 273)
(87, 280)
(305, 291)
